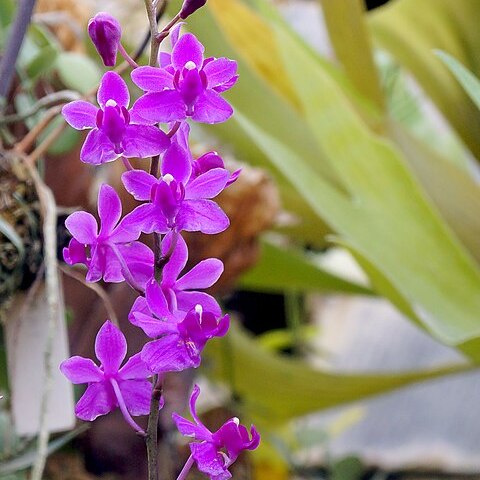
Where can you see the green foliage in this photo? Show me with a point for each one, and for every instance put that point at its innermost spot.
(78, 72)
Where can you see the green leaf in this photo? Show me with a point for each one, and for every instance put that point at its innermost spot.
(26, 459)
(78, 72)
(467, 79)
(281, 269)
(276, 388)
(411, 30)
(348, 468)
(386, 215)
(7, 10)
(42, 63)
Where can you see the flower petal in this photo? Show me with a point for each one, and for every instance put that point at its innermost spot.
(136, 394)
(139, 184)
(153, 327)
(152, 79)
(187, 49)
(211, 108)
(142, 141)
(113, 87)
(207, 185)
(97, 400)
(168, 354)
(177, 261)
(135, 368)
(80, 114)
(188, 300)
(110, 347)
(96, 265)
(209, 461)
(139, 259)
(202, 215)
(81, 370)
(220, 71)
(75, 253)
(202, 275)
(97, 148)
(156, 301)
(109, 209)
(83, 227)
(165, 106)
(176, 162)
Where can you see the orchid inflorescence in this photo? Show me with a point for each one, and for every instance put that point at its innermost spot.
(172, 308)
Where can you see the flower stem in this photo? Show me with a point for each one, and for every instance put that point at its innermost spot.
(186, 468)
(126, 163)
(152, 429)
(123, 408)
(126, 56)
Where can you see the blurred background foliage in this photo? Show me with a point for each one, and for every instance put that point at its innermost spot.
(358, 164)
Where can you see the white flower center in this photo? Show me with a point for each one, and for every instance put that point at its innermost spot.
(168, 178)
(190, 65)
(236, 421)
(111, 103)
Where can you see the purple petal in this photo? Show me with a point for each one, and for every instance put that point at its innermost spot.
(135, 368)
(188, 300)
(168, 354)
(226, 86)
(109, 209)
(139, 184)
(176, 162)
(149, 218)
(96, 266)
(202, 215)
(97, 148)
(152, 79)
(136, 394)
(209, 461)
(109, 264)
(156, 301)
(202, 275)
(97, 400)
(185, 427)
(187, 49)
(164, 59)
(113, 87)
(75, 253)
(220, 71)
(82, 226)
(153, 327)
(207, 185)
(142, 141)
(166, 106)
(80, 114)
(211, 108)
(181, 137)
(139, 259)
(81, 370)
(110, 347)
(127, 230)
(177, 261)
(175, 33)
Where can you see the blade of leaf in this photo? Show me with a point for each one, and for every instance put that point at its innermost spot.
(281, 269)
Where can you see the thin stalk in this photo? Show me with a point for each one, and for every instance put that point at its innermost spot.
(126, 163)
(123, 408)
(186, 468)
(10, 54)
(126, 56)
(152, 428)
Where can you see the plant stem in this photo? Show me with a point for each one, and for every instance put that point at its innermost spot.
(154, 44)
(17, 34)
(152, 429)
(126, 56)
(186, 468)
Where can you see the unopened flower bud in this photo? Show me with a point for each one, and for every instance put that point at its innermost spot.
(105, 32)
(190, 6)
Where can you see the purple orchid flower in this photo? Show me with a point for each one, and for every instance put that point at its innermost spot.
(178, 201)
(191, 6)
(216, 451)
(110, 386)
(174, 297)
(181, 343)
(105, 33)
(113, 134)
(189, 87)
(114, 253)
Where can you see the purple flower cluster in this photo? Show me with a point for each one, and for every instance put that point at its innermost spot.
(172, 308)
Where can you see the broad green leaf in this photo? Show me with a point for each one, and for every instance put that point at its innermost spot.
(394, 224)
(386, 218)
(282, 269)
(467, 79)
(42, 63)
(78, 72)
(7, 10)
(277, 388)
(350, 37)
(411, 30)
